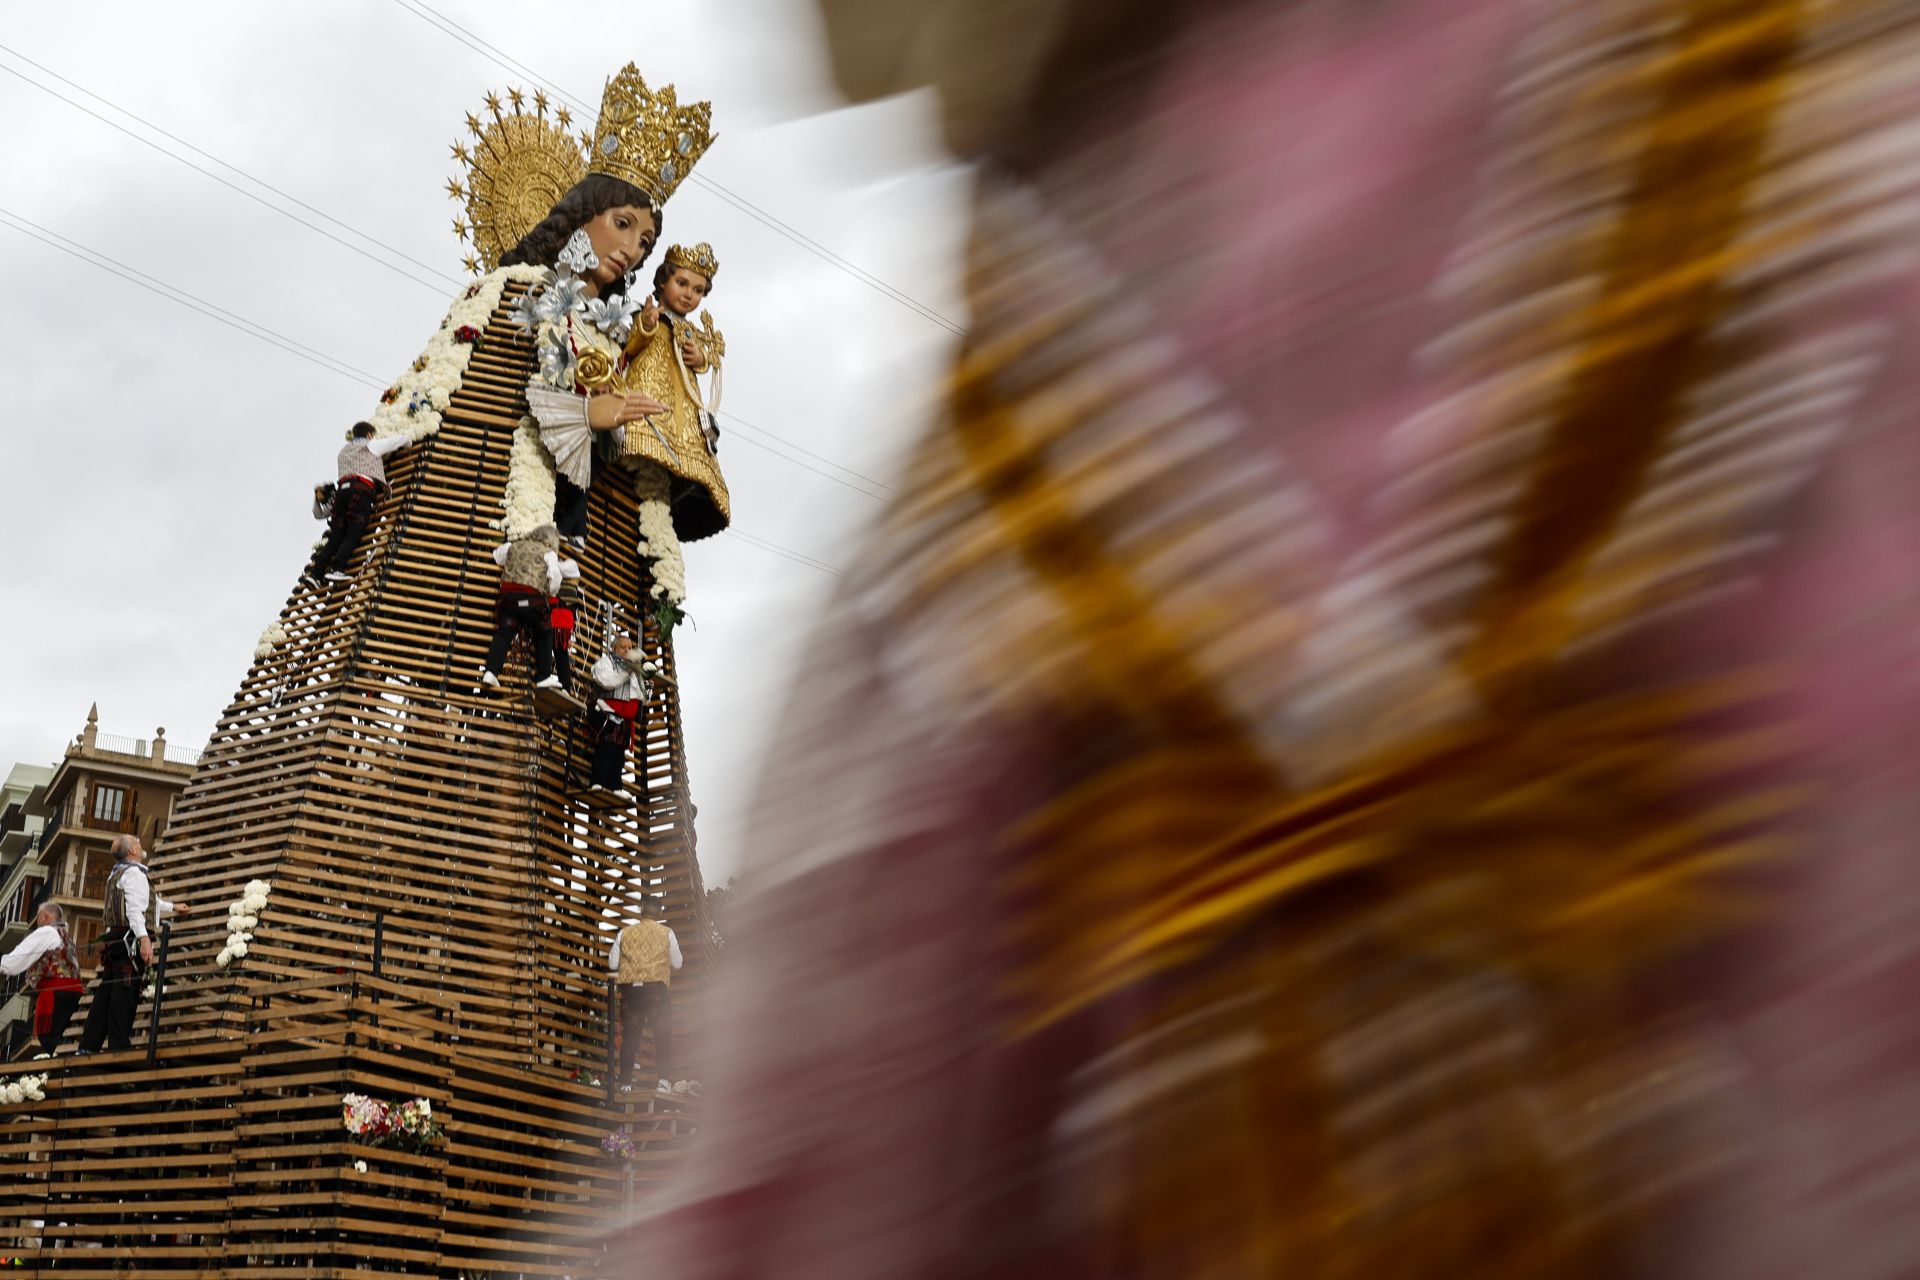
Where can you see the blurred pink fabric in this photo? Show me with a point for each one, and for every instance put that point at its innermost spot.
(1288, 212)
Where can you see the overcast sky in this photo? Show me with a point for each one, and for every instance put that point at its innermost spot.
(155, 512)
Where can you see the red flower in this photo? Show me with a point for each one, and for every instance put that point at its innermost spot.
(466, 333)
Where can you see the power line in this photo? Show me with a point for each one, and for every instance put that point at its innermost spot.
(268, 204)
(742, 423)
(864, 276)
(862, 490)
(201, 151)
(173, 293)
(447, 26)
(13, 222)
(795, 556)
(746, 426)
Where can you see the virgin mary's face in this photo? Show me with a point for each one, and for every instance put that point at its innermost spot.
(622, 238)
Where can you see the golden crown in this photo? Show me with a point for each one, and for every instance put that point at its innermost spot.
(646, 137)
(699, 258)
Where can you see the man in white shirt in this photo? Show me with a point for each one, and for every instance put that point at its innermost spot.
(362, 476)
(621, 676)
(642, 960)
(131, 915)
(52, 965)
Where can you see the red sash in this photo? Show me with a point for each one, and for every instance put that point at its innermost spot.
(43, 1003)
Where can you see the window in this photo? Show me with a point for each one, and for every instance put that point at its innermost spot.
(94, 884)
(29, 890)
(85, 930)
(109, 803)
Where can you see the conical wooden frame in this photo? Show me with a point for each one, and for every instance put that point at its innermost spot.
(441, 906)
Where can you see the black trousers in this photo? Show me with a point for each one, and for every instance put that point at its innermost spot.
(116, 993)
(612, 735)
(352, 511)
(563, 665)
(64, 1003)
(643, 1004)
(569, 508)
(521, 613)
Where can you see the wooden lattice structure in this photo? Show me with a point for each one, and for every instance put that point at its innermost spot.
(395, 807)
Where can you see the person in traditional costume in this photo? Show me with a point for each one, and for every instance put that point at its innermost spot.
(531, 571)
(129, 918)
(349, 509)
(642, 959)
(51, 965)
(621, 678)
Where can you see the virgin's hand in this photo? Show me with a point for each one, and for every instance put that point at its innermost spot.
(639, 406)
(615, 410)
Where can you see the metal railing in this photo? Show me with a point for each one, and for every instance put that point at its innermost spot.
(143, 748)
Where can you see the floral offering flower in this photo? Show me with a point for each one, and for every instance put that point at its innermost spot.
(528, 498)
(272, 638)
(415, 402)
(23, 1089)
(408, 1125)
(243, 917)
